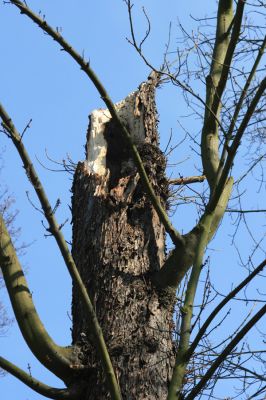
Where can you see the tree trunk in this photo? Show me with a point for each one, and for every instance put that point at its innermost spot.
(118, 242)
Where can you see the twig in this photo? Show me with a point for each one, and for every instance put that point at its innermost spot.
(217, 309)
(221, 358)
(187, 181)
(39, 387)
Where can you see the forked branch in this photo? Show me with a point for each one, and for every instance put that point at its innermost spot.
(187, 310)
(240, 102)
(220, 306)
(232, 150)
(162, 72)
(228, 349)
(237, 23)
(182, 257)
(40, 387)
(57, 359)
(210, 130)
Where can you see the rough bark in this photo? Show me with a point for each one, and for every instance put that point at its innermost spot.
(118, 243)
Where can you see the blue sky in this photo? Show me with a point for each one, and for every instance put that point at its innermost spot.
(41, 83)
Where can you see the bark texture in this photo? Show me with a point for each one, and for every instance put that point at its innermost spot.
(118, 242)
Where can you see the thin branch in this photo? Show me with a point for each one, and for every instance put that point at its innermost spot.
(231, 210)
(181, 258)
(238, 366)
(210, 134)
(161, 73)
(57, 359)
(250, 168)
(219, 307)
(26, 128)
(255, 395)
(187, 312)
(235, 144)
(240, 103)
(85, 66)
(187, 181)
(39, 387)
(247, 85)
(237, 21)
(221, 358)
(148, 29)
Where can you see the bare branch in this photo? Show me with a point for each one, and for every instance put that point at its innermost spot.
(221, 358)
(231, 210)
(240, 103)
(165, 73)
(187, 181)
(237, 22)
(232, 150)
(217, 309)
(187, 311)
(71, 393)
(209, 136)
(57, 359)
